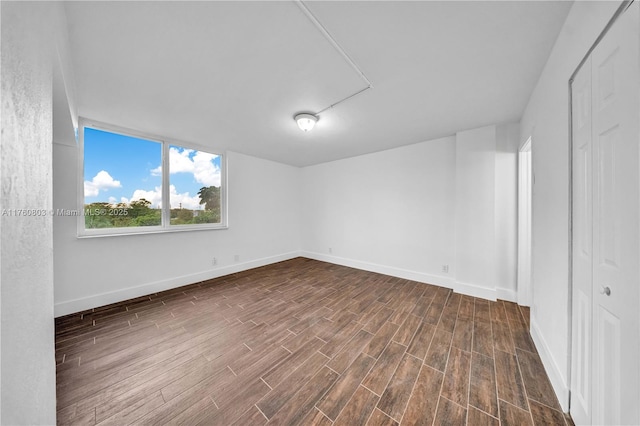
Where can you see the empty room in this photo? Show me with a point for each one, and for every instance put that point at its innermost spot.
(320, 212)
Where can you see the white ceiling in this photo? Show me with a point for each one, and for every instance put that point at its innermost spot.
(231, 75)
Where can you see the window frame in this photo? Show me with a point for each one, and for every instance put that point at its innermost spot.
(165, 225)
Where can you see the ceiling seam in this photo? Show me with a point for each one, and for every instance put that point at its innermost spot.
(339, 49)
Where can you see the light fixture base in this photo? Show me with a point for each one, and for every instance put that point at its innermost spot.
(306, 121)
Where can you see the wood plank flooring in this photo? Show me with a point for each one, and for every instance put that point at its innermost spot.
(302, 342)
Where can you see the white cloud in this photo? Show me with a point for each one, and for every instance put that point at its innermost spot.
(100, 182)
(187, 202)
(201, 166)
(205, 172)
(155, 196)
(179, 162)
(113, 200)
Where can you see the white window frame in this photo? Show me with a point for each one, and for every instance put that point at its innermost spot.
(165, 225)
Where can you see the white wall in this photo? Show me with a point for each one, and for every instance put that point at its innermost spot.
(391, 211)
(476, 263)
(506, 210)
(27, 350)
(408, 211)
(264, 227)
(546, 119)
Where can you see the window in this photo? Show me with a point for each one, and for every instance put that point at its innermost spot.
(132, 183)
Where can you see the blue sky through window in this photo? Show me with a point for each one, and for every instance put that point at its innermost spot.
(120, 169)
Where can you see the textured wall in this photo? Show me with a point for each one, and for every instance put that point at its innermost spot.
(27, 349)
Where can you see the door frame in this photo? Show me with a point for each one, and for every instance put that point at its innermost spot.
(525, 213)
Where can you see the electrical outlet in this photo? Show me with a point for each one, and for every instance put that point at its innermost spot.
(236, 258)
(214, 261)
(445, 268)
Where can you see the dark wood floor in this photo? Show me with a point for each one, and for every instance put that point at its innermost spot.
(302, 342)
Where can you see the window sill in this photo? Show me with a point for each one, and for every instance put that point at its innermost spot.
(120, 232)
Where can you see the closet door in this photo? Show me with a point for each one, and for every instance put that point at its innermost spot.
(616, 254)
(606, 232)
(582, 246)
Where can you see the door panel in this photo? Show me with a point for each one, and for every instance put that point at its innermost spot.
(609, 219)
(582, 246)
(582, 370)
(608, 355)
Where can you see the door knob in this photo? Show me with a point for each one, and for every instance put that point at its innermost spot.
(605, 290)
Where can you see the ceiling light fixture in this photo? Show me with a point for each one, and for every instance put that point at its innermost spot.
(306, 121)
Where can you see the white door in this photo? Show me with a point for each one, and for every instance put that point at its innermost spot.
(581, 246)
(606, 193)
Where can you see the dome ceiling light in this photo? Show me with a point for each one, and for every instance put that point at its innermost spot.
(306, 121)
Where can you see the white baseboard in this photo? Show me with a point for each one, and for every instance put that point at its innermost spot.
(507, 294)
(82, 304)
(382, 269)
(558, 381)
(475, 290)
(440, 280)
(443, 281)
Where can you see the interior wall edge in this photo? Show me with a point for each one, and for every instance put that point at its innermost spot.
(65, 62)
(558, 381)
(94, 301)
